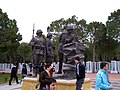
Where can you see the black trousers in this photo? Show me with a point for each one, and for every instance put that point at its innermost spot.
(13, 76)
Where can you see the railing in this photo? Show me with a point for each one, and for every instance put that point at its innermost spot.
(113, 66)
(6, 66)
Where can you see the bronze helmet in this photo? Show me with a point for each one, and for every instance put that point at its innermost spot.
(39, 31)
(70, 27)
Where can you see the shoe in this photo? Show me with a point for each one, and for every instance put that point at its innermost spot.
(10, 84)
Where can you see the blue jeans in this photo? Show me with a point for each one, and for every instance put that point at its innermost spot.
(79, 84)
(44, 89)
(23, 75)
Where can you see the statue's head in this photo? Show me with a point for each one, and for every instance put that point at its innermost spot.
(70, 28)
(49, 35)
(39, 32)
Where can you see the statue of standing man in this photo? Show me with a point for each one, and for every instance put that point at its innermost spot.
(66, 37)
(49, 49)
(38, 51)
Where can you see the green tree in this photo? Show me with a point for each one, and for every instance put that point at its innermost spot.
(24, 53)
(113, 32)
(97, 35)
(96, 30)
(9, 37)
(113, 25)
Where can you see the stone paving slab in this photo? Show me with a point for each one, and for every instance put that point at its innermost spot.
(112, 76)
(14, 86)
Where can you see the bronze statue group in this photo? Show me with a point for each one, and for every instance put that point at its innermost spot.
(43, 53)
(43, 49)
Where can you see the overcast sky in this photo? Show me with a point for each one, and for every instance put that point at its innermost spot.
(43, 12)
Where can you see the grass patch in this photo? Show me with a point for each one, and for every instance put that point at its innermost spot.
(5, 77)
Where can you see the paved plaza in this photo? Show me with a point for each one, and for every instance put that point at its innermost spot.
(114, 79)
(14, 86)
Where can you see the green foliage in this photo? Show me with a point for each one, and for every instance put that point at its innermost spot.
(9, 37)
(113, 32)
(24, 53)
(113, 25)
(97, 34)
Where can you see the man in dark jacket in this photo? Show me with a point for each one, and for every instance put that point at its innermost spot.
(13, 75)
(80, 73)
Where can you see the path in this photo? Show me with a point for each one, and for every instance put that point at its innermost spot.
(114, 79)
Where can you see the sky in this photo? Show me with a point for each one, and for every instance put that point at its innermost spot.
(43, 12)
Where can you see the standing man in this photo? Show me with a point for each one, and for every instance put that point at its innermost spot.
(38, 51)
(65, 37)
(49, 49)
(80, 73)
(102, 81)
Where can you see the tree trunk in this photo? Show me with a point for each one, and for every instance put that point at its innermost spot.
(103, 56)
(94, 55)
(9, 59)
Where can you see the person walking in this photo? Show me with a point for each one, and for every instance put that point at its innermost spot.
(80, 73)
(13, 74)
(102, 81)
(24, 72)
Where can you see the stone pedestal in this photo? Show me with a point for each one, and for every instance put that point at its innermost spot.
(29, 83)
(62, 84)
(71, 84)
(69, 72)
